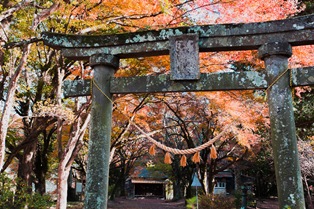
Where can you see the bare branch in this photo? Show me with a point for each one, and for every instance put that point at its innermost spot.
(43, 15)
(5, 16)
(22, 43)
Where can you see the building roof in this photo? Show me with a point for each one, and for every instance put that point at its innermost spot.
(144, 173)
(224, 174)
(147, 181)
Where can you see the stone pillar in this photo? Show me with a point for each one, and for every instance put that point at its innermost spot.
(244, 197)
(283, 131)
(96, 193)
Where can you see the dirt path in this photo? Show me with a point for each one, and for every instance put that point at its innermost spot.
(142, 203)
(145, 203)
(267, 204)
(150, 203)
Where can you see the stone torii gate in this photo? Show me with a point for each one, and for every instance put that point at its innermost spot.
(273, 40)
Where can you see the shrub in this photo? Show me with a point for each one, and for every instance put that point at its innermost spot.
(11, 198)
(191, 203)
(238, 199)
(211, 201)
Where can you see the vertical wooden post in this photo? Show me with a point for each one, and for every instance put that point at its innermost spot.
(100, 132)
(283, 131)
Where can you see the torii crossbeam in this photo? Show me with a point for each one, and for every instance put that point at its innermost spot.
(273, 40)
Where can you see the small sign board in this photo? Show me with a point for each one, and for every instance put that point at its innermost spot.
(79, 187)
(195, 182)
(184, 57)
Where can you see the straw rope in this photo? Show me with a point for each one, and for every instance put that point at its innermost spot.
(176, 151)
(279, 76)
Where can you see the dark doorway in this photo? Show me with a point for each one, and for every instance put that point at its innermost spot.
(143, 189)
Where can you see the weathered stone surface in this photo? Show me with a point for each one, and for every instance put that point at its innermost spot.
(283, 132)
(207, 82)
(96, 193)
(229, 37)
(213, 44)
(303, 76)
(104, 59)
(77, 88)
(275, 48)
(184, 57)
(206, 31)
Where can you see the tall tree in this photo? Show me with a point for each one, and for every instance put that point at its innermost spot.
(5, 117)
(15, 69)
(68, 154)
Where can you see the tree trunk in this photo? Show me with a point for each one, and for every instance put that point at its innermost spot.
(62, 183)
(40, 184)
(117, 186)
(177, 185)
(62, 195)
(238, 182)
(26, 165)
(177, 194)
(7, 109)
(309, 197)
(69, 153)
(211, 183)
(189, 192)
(205, 182)
(207, 178)
(41, 162)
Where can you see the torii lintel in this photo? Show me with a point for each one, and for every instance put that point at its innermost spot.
(226, 37)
